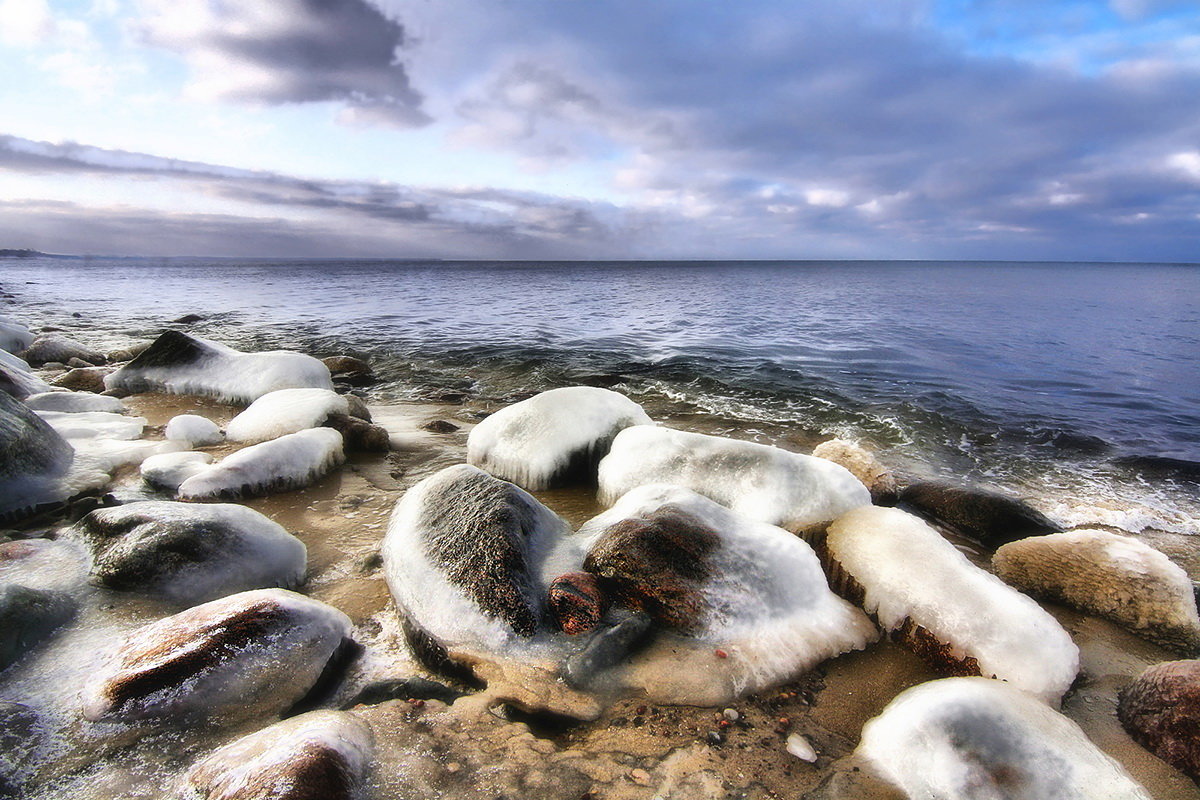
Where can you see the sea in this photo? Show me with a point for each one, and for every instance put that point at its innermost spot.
(1073, 385)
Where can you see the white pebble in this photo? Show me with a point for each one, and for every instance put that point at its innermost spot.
(798, 746)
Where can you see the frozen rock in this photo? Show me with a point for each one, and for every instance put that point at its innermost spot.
(94, 424)
(169, 470)
(14, 337)
(1112, 576)
(194, 430)
(247, 655)
(285, 411)
(863, 465)
(289, 462)
(34, 459)
(553, 438)
(51, 347)
(1161, 711)
(989, 517)
(74, 402)
(188, 552)
(764, 483)
(960, 619)
(576, 602)
(180, 364)
(321, 755)
(975, 738)
(83, 380)
(11, 361)
(27, 617)
(19, 383)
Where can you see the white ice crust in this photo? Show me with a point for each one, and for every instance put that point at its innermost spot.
(909, 571)
(93, 425)
(979, 739)
(284, 411)
(762, 482)
(289, 462)
(169, 470)
(74, 402)
(531, 442)
(194, 430)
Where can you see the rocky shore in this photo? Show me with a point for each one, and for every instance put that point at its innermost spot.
(226, 575)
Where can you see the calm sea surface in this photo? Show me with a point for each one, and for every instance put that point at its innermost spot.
(1038, 378)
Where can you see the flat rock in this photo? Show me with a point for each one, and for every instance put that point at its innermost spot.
(1161, 711)
(359, 435)
(988, 517)
(28, 617)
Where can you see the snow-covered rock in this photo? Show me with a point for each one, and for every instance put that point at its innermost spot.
(553, 438)
(194, 430)
(285, 411)
(34, 459)
(189, 552)
(975, 738)
(180, 364)
(762, 482)
(20, 383)
(14, 337)
(289, 462)
(94, 424)
(321, 754)
(169, 470)
(1113, 576)
(74, 402)
(961, 619)
(243, 656)
(50, 347)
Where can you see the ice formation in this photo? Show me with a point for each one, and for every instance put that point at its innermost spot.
(194, 430)
(552, 438)
(285, 411)
(34, 459)
(182, 364)
(975, 738)
(94, 424)
(964, 620)
(1113, 576)
(14, 337)
(169, 470)
(74, 402)
(762, 482)
(289, 462)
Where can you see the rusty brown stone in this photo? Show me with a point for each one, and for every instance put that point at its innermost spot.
(1161, 711)
(577, 602)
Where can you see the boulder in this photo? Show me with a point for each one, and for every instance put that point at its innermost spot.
(188, 552)
(19, 383)
(50, 347)
(83, 380)
(28, 617)
(350, 370)
(180, 364)
(576, 602)
(765, 483)
(927, 595)
(167, 471)
(1161, 711)
(321, 755)
(247, 655)
(34, 459)
(988, 517)
(1111, 576)
(359, 435)
(863, 465)
(193, 430)
(74, 403)
(14, 337)
(289, 462)
(128, 353)
(285, 411)
(554, 438)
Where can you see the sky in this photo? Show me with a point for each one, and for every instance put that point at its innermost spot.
(602, 129)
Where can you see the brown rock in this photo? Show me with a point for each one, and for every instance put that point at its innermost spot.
(350, 370)
(358, 435)
(1161, 710)
(989, 517)
(863, 465)
(439, 426)
(88, 379)
(576, 602)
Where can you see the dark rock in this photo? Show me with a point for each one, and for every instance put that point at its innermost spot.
(991, 518)
(450, 397)
(350, 371)
(658, 564)
(117, 393)
(50, 348)
(28, 617)
(607, 648)
(32, 458)
(1162, 467)
(359, 436)
(51, 329)
(188, 319)
(18, 383)
(90, 379)
(440, 426)
(21, 734)
(576, 602)
(403, 689)
(358, 408)
(1161, 711)
(78, 363)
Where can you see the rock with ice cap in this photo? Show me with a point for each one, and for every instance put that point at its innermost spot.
(94, 425)
(289, 462)
(180, 364)
(245, 655)
(34, 459)
(863, 464)
(168, 471)
(14, 337)
(74, 402)
(193, 430)
(1161, 711)
(764, 483)
(553, 438)
(285, 411)
(1113, 576)
(959, 618)
(189, 552)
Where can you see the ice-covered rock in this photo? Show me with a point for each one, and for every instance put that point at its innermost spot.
(289, 462)
(285, 411)
(21, 736)
(11, 361)
(975, 738)
(553, 438)
(960, 619)
(20, 383)
(863, 464)
(764, 483)
(50, 347)
(189, 552)
(182, 364)
(94, 424)
(989, 517)
(1161, 711)
(321, 755)
(1112, 576)
(194, 430)
(74, 402)
(14, 337)
(462, 558)
(250, 654)
(27, 617)
(34, 459)
(169, 470)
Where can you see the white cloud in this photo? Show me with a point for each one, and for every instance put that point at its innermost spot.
(26, 23)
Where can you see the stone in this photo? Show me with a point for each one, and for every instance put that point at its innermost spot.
(289, 462)
(193, 430)
(991, 518)
(350, 370)
(606, 648)
(285, 411)
(188, 319)
(576, 602)
(167, 471)
(34, 459)
(90, 379)
(21, 735)
(50, 347)
(440, 426)
(1161, 711)
(415, 688)
(359, 435)
(863, 465)
(19, 383)
(28, 617)
(74, 402)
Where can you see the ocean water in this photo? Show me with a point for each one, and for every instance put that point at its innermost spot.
(1042, 379)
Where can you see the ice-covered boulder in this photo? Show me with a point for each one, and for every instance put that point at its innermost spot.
(289, 462)
(764, 483)
(189, 552)
(553, 438)
(863, 464)
(94, 424)
(975, 738)
(50, 347)
(169, 470)
(960, 619)
(194, 430)
(247, 655)
(285, 411)
(1112, 576)
(462, 558)
(34, 459)
(74, 402)
(27, 617)
(989, 517)
(20, 383)
(11, 361)
(14, 337)
(321, 755)
(1161, 711)
(180, 364)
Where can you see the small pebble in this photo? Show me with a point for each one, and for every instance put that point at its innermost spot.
(715, 738)
(798, 746)
(719, 653)
(640, 777)
(731, 714)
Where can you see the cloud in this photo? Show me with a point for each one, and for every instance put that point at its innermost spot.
(290, 51)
